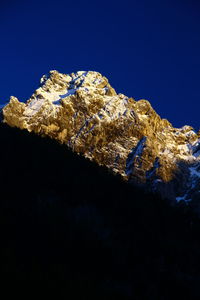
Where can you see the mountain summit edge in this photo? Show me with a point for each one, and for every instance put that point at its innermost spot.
(83, 111)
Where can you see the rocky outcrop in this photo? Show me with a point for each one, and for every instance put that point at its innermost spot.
(84, 112)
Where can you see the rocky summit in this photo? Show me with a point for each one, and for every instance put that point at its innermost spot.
(84, 112)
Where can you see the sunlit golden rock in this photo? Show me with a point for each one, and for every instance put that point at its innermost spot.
(84, 112)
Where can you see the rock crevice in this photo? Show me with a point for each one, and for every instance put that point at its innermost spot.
(83, 111)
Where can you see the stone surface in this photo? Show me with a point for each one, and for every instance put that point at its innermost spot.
(84, 112)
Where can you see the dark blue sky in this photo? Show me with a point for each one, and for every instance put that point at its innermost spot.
(147, 49)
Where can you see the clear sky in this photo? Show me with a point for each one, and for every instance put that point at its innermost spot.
(147, 49)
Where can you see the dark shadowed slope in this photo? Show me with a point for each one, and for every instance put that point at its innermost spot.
(65, 219)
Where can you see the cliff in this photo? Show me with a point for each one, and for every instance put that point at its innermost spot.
(84, 112)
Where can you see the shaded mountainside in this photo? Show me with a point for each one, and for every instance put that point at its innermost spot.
(64, 218)
(84, 112)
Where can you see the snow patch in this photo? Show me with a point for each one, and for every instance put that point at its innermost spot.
(182, 198)
(197, 154)
(69, 93)
(152, 171)
(57, 102)
(135, 154)
(194, 172)
(34, 106)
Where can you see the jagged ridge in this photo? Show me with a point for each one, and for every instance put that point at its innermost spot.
(83, 111)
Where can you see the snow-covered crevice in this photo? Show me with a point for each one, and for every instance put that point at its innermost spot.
(152, 172)
(80, 131)
(77, 79)
(78, 75)
(69, 93)
(125, 112)
(134, 156)
(193, 180)
(93, 126)
(183, 198)
(194, 172)
(57, 102)
(197, 154)
(97, 81)
(33, 107)
(196, 149)
(115, 109)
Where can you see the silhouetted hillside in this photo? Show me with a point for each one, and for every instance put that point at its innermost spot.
(64, 219)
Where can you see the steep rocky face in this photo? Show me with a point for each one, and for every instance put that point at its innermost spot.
(84, 112)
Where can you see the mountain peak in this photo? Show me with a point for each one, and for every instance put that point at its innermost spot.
(83, 111)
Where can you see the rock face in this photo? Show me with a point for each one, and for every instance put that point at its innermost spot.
(84, 112)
